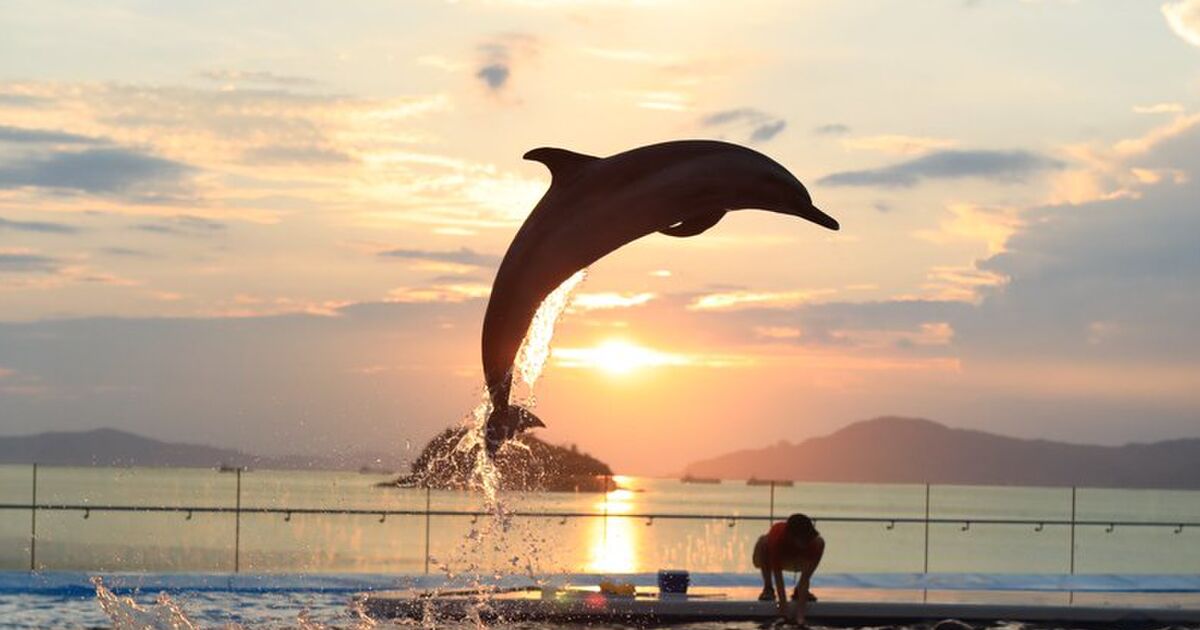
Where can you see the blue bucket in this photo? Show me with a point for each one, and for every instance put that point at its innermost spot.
(673, 581)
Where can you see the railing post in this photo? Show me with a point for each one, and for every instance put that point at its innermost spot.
(925, 591)
(237, 524)
(607, 483)
(1071, 592)
(33, 522)
(926, 569)
(772, 512)
(428, 503)
(1073, 530)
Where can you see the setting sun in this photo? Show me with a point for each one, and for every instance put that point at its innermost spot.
(617, 357)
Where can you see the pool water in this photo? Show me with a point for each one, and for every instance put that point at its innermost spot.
(186, 601)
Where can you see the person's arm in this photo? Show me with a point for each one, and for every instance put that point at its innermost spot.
(780, 590)
(805, 582)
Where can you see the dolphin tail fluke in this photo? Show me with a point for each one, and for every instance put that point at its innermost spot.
(506, 423)
(527, 420)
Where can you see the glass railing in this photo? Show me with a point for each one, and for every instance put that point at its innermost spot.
(200, 520)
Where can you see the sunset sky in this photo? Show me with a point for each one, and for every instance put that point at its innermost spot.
(274, 225)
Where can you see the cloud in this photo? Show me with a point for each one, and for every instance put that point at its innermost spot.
(498, 55)
(494, 74)
(1159, 108)
(608, 300)
(657, 59)
(727, 116)
(623, 357)
(44, 227)
(19, 99)
(256, 77)
(439, 293)
(758, 125)
(1095, 298)
(97, 171)
(303, 155)
(731, 300)
(21, 262)
(1183, 16)
(897, 144)
(969, 222)
(832, 129)
(42, 136)
(766, 131)
(966, 284)
(182, 225)
(461, 256)
(125, 252)
(1002, 166)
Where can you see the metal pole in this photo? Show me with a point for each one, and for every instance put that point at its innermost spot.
(1071, 593)
(926, 569)
(1073, 489)
(772, 516)
(607, 483)
(428, 500)
(33, 522)
(925, 591)
(237, 524)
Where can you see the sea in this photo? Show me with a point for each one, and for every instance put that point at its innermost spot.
(295, 523)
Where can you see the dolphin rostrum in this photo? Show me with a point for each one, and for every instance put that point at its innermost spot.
(596, 205)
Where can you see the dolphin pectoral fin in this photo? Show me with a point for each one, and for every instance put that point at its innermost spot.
(694, 225)
(563, 164)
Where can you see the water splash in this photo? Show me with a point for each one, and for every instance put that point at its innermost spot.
(126, 614)
(167, 614)
(484, 474)
(529, 365)
(535, 348)
(500, 533)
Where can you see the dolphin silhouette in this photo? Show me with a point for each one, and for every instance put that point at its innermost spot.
(596, 205)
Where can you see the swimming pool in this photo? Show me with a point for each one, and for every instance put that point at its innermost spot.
(69, 599)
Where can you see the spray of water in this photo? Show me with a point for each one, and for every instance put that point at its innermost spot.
(167, 614)
(126, 614)
(500, 534)
(535, 349)
(530, 362)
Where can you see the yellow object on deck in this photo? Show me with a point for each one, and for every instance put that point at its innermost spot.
(623, 589)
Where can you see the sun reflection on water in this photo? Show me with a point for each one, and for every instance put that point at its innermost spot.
(614, 542)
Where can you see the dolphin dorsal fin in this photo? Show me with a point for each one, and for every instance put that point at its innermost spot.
(563, 164)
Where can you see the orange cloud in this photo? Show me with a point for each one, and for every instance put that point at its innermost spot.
(609, 300)
(732, 300)
(619, 356)
(439, 293)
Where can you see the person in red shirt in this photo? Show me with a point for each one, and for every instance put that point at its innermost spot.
(791, 545)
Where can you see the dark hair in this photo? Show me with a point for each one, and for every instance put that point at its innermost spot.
(800, 526)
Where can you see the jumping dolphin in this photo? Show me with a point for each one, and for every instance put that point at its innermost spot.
(596, 205)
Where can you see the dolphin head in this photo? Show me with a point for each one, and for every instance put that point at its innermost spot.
(783, 193)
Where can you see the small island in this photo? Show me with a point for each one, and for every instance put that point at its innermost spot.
(529, 464)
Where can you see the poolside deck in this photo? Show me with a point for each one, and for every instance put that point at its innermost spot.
(727, 605)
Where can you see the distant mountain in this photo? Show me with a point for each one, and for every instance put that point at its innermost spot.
(110, 447)
(912, 450)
